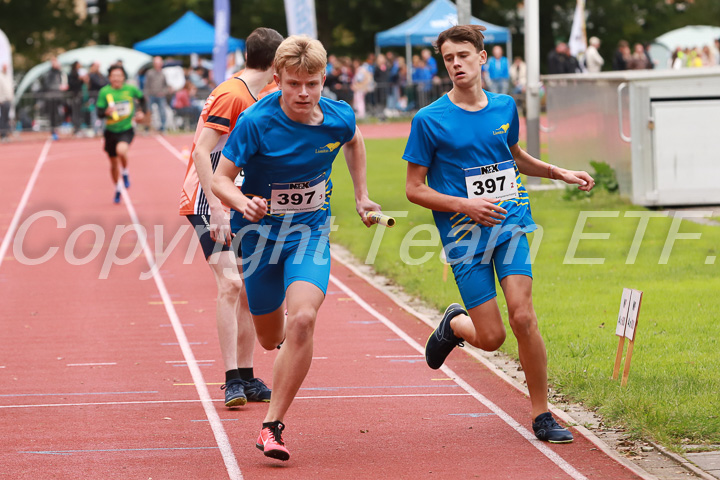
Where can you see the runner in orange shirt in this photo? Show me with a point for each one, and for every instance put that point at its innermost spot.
(211, 218)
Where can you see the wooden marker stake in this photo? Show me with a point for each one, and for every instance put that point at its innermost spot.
(630, 329)
(628, 357)
(620, 329)
(618, 358)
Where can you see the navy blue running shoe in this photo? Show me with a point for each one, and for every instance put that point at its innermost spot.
(126, 180)
(234, 393)
(256, 390)
(548, 430)
(117, 197)
(442, 341)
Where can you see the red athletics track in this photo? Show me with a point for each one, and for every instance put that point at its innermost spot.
(98, 376)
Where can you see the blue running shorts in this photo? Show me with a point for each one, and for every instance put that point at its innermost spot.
(475, 278)
(270, 266)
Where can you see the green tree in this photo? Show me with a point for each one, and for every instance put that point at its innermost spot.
(36, 28)
(610, 20)
(345, 27)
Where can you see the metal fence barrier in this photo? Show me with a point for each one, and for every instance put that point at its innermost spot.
(70, 113)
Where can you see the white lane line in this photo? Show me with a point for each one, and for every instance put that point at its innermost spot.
(552, 456)
(23, 201)
(305, 397)
(89, 364)
(171, 149)
(589, 435)
(523, 431)
(220, 436)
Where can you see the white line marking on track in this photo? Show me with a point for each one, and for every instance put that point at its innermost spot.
(421, 395)
(516, 426)
(89, 364)
(114, 450)
(589, 435)
(185, 361)
(399, 356)
(171, 149)
(222, 420)
(74, 394)
(554, 457)
(220, 436)
(23, 201)
(86, 404)
(307, 397)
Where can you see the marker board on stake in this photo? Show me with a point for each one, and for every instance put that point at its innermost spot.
(626, 328)
(620, 329)
(630, 329)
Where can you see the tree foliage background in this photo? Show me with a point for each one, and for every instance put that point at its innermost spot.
(348, 27)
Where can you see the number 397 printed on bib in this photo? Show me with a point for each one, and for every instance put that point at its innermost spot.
(298, 197)
(492, 181)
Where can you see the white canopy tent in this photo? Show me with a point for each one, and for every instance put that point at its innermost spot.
(424, 28)
(661, 50)
(105, 55)
(689, 37)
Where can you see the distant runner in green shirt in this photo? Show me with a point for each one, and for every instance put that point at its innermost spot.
(116, 102)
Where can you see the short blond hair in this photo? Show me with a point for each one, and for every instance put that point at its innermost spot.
(300, 52)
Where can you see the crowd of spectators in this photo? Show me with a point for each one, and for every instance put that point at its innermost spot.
(66, 100)
(378, 85)
(638, 57)
(707, 56)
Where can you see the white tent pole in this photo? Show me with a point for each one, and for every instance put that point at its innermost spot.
(463, 12)
(532, 91)
(408, 60)
(508, 49)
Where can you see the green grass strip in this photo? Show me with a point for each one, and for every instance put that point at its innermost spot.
(673, 395)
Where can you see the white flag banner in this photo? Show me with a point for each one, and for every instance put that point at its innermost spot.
(578, 36)
(6, 53)
(301, 17)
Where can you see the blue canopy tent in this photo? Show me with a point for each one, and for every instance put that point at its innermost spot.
(189, 34)
(426, 25)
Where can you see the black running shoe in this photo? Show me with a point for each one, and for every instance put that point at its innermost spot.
(442, 341)
(256, 390)
(548, 430)
(234, 393)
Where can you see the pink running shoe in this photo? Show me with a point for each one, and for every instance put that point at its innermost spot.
(270, 441)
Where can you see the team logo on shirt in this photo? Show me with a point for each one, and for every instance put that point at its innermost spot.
(208, 103)
(330, 147)
(501, 129)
